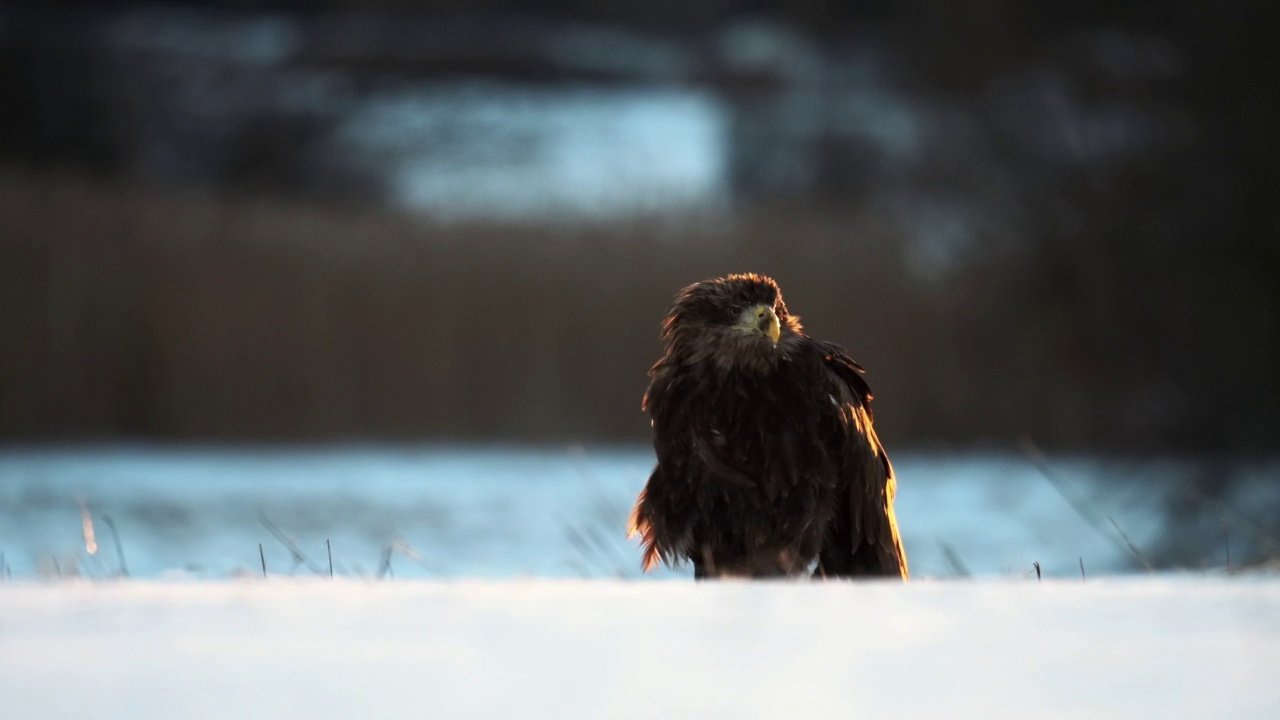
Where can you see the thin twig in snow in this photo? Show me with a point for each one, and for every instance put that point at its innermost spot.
(384, 567)
(1226, 534)
(299, 558)
(115, 536)
(1133, 549)
(958, 568)
(1082, 507)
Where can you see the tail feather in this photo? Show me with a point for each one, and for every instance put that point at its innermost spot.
(639, 525)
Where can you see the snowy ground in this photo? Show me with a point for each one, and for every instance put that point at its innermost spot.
(505, 513)
(1004, 648)
(204, 636)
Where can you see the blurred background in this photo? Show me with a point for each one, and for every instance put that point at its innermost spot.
(1047, 229)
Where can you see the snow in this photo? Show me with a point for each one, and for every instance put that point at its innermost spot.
(1185, 647)
(492, 512)
(503, 512)
(484, 617)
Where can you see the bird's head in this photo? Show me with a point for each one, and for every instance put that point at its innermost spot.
(737, 321)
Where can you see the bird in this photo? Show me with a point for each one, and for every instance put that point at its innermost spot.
(768, 465)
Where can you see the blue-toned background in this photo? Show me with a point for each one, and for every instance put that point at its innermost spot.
(370, 269)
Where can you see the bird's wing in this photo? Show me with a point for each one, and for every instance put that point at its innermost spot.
(664, 510)
(864, 539)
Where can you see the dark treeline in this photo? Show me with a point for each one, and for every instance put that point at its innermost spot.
(149, 315)
(1125, 303)
(128, 312)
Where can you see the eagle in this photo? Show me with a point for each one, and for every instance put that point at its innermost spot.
(767, 461)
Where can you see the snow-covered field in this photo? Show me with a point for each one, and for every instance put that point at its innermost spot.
(486, 618)
(498, 512)
(1002, 648)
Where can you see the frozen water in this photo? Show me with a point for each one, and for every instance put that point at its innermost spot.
(489, 512)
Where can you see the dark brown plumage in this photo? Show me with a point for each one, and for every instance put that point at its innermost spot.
(768, 464)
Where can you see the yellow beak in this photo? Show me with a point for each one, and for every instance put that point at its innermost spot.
(764, 319)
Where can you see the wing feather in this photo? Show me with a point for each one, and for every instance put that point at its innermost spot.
(865, 541)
